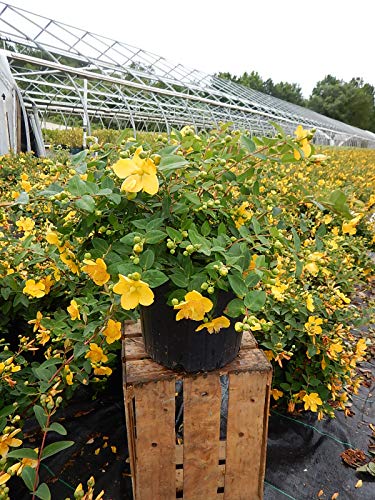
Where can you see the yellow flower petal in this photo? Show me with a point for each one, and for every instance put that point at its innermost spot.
(150, 183)
(124, 168)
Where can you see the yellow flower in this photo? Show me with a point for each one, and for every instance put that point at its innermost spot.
(215, 325)
(194, 307)
(25, 224)
(25, 462)
(97, 271)
(242, 214)
(36, 322)
(334, 349)
(313, 327)
(43, 336)
(26, 186)
(68, 375)
(34, 289)
(133, 293)
(310, 303)
(139, 174)
(4, 477)
(301, 136)
(73, 310)
(52, 238)
(67, 256)
(112, 331)
(361, 348)
(96, 354)
(102, 370)
(351, 226)
(312, 268)
(276, 394)
(8, 440)
(312, 401)
(47, 282)
(278, 291)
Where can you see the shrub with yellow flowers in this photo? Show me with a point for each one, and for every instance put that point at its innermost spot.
(284, 229)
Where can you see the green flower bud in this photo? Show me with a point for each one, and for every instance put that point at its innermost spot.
(175, 302)
(204, 285)
(210, 290)
(136, 239)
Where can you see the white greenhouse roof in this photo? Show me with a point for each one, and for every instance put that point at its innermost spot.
(87, 78)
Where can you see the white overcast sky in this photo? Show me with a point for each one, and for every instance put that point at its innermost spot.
(289, 40)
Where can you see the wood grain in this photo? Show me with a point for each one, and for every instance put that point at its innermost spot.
(155, 441)
(247, 399)
(202, 400)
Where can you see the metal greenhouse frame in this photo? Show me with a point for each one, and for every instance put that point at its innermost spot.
(87, 79)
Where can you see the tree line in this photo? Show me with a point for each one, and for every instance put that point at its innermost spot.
(351, 102)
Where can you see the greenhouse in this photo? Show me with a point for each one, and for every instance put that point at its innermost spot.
(53, 72)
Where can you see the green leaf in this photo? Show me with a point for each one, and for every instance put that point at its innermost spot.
(174, 234)
(180, 279)
(155, 236)
(147, 259)
(79, 349)
(54, 448)
(252, 279)
(296, 239)
(235, 308)
(206, 228)
(40, 416)
(43, 492)
(193, 198)
(248, 143)
(100, 245)
(28, 475)
(86, 203)
(23, 199)
(255, 300)
(171, 162)
(7, 410)
(115, 198)
(76, 186)
(237, 284)
(56, 427)
(23, 453)
(79, 157)
(154, 278)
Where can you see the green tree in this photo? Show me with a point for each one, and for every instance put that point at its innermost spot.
(350, 102)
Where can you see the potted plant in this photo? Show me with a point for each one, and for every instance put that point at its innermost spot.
(182, 237)
(173, 228)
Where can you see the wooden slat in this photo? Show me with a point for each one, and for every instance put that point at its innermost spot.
(266, 412)
(202, 400)
(146, 370)
(130, 430)
(180, 452)
(133, 329)
(180, 480)
(156, 441)
(135, 349)
(247, 395)
(248, 341)
(248, 360)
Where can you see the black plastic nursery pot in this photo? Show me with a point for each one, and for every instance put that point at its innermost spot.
(176, 344)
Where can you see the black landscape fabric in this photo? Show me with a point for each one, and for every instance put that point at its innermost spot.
(303, 455)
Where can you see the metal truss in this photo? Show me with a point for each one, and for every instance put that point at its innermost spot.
(80, 78)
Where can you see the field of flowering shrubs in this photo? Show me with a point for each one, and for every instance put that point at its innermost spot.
(309, 217)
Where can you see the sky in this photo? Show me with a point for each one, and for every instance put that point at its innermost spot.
(286, 40)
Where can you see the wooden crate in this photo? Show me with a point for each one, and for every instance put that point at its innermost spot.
(203, 467)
